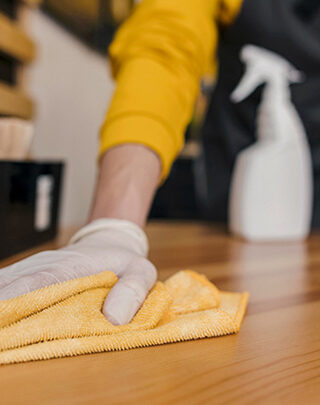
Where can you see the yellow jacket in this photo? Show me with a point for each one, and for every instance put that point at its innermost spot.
(158, 57)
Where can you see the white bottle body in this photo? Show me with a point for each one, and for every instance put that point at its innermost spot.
(271, 192)
(272, 186)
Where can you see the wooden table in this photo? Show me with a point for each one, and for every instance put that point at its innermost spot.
(275, 359)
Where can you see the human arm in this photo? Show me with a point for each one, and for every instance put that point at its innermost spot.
(112, 240)
(128, 178)
(158, 60)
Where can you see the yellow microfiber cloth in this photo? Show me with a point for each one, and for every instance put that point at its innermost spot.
(66, 320)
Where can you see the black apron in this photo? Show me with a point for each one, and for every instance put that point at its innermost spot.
(290, 28)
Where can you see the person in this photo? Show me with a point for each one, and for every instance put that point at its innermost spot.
(159, 56)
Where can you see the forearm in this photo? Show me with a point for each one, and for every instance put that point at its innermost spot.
(128, 178)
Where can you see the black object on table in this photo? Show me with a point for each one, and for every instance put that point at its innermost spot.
(30, 194)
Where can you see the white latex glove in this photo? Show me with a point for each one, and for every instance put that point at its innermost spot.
(105, 244)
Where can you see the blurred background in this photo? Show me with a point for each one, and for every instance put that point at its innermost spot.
(56, 56)
(55, 89)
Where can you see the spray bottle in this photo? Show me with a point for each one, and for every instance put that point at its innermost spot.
(272, 186)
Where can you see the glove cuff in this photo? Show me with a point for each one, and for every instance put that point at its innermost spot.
(111, 224)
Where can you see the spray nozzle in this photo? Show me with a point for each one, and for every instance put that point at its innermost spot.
(263, 66)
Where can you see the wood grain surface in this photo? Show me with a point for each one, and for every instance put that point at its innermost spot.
(275, 359)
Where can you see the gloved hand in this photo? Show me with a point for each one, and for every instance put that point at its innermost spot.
(105, 244)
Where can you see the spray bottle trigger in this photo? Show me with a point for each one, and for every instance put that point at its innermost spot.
(249, 82)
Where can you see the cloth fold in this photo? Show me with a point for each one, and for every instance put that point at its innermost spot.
(66, 320)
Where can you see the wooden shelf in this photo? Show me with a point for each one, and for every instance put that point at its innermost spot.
(14, 102)
(14, 42)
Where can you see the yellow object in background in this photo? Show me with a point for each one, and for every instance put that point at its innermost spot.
(66, 320)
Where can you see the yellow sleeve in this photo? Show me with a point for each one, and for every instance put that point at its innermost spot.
(158, 57)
